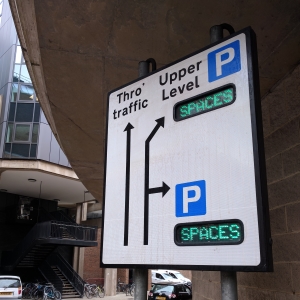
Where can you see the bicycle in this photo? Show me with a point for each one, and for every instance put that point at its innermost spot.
(101, 291)
(87, 290)
(51, 293)
(132, 288)
(121, 287)
(93, 290)
(26, 292)
(98, 291)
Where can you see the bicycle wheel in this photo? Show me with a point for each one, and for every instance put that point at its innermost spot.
(88, 293)
(94, 290)
(38, 295)
(57, 295)
(26, 293)
(132, 291)
(101, 292)
(127, 291)
(48, 291)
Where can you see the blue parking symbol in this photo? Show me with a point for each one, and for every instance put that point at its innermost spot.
(224, 61)
(190, 198)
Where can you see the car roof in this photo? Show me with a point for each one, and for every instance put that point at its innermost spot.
(10, 276)
(159, 271)
(171, 271)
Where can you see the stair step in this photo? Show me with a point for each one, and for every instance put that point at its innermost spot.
(68, 291)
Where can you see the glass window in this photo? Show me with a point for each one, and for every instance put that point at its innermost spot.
(187, 290)
(20, 150)
(24, 112)
(24, 76)
(9, 282)
(18, 59)
(35, 131)
(22, 133)
(14, 92)
(26, 92)
(33, 151)
(37, 113)
(7, 150)
(162, 287)
(12, 108)
(16, 73)
(10, 131)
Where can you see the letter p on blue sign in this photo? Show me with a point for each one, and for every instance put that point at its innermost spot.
(190, 199)
(224, 61)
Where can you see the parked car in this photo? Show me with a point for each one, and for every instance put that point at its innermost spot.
(10, 287)
(178, 275)
(163, 277)
(162, 291)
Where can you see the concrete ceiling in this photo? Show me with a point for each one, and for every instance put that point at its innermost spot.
(77, 51)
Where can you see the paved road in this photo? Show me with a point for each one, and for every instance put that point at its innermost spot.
(120, 296)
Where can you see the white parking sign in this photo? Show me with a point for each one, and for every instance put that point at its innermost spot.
(184, 175)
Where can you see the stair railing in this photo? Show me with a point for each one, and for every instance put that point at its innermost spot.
(39, 230)
(60, 215)
(46, 230)
(51, 276)
(68, 271)
(75, 231)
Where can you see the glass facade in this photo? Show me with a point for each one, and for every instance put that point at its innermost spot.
(24, 129)
(1, 7)
(23, 114)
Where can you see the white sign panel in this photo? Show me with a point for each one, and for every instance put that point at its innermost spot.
(182, 183)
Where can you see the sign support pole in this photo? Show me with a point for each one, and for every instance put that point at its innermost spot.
(228, 279)
(141, 275)
(229, 285)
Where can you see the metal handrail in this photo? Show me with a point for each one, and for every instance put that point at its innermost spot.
(39, 230)
(60, 215)
(74, 231)
(51, 276)
(46, 230)
(67, 270)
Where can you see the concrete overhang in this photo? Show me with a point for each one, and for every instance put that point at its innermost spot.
(77, 51)
(45, 180)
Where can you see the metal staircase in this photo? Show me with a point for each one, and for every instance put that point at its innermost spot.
(58, 271)
(38, 251)
(36, 255)
(68, 291)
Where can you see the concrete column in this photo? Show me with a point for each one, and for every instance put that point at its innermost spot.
(76, 249)
(149, 280)
(75, 259)
(110, 281)
(80, 261)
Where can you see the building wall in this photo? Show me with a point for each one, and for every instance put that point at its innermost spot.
(281, 121)
(91, 267)
(123, 275)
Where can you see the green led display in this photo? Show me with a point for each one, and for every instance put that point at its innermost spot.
(204, 103)
(204, 233)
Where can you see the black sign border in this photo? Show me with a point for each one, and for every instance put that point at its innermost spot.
(265, 240)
